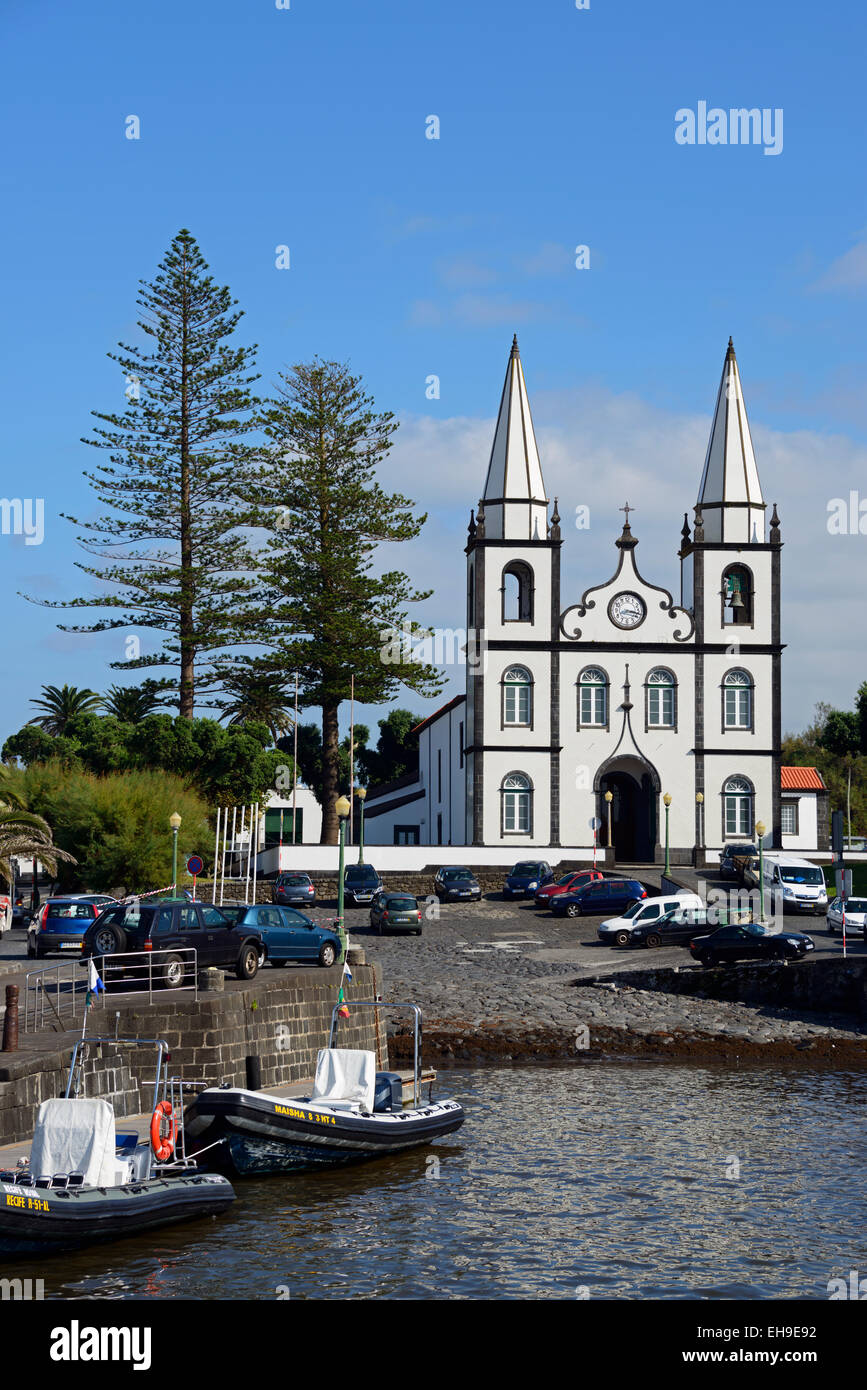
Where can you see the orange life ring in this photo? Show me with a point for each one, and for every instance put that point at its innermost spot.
(162, 1143)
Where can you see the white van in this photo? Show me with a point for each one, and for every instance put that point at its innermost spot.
(800, 884)
(617, 930)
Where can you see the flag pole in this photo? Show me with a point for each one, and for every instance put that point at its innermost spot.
(294, 765)
(352, 753)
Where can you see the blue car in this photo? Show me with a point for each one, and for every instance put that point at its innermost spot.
(527, 878)
(608, 896)
(60, 925)
(287, 935)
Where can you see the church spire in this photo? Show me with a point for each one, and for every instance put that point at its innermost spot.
(730, 496)
(516, 506)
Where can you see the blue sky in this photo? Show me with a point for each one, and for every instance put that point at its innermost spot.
(411, 257)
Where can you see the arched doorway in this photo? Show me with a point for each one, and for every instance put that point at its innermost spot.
(633, 810)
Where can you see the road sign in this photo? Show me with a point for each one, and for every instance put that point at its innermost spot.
(595, 822)
(195, 864)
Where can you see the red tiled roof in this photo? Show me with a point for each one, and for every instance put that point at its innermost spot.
(801, 779)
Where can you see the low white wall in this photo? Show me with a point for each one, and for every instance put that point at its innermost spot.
(413, 858)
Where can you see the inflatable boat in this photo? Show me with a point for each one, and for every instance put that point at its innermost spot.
(353, 1113)
(84, 1183)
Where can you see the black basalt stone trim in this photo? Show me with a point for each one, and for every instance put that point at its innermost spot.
(554, 828)
(478, 681)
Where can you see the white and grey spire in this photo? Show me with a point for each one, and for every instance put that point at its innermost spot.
(516, 507)
(730, 497)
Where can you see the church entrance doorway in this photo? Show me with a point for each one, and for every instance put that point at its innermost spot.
(633, 813)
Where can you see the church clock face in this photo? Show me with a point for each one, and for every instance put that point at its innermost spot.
(627, 610)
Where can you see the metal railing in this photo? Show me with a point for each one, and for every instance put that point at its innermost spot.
(56, 995)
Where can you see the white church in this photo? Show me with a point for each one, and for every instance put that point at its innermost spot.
(628, 689)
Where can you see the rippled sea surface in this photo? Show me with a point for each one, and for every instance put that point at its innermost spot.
(625, 1180)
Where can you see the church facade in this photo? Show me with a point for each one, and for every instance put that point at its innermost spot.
(609, 712)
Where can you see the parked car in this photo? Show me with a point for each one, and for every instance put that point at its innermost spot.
(454, 884)
(575, 879)
(677, 927)
(856, 916)
(609, 895)
(21, 911)
(727, 866)
(294, 887)
(750, 941)
(527, 877)
(395, 912)
(287, 935)
(168, 925)
(61, 923)
(617, 931)
(361, 883)
(800, 883)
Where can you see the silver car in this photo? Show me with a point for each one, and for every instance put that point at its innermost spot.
(856, 916)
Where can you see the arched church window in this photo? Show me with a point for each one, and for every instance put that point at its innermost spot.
(592, 698)
(517, 697)
(737, 700)
(738, 808)
(661, 689)
(517, 590)
(516, 795)
(737, 595)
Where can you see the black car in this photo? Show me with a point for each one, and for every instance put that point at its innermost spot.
(677, 927)
(457, 884)
(361, 883)
(749, 941)
(395, 912)
(294, 887)
(171, 924)
(605, 895)
(527, 877)
(731, 852)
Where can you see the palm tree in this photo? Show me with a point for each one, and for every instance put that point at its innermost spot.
(27, 836)
(60, 704)
(132, 703)
(256, 696)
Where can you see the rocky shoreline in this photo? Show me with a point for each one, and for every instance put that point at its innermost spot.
(561, 1022)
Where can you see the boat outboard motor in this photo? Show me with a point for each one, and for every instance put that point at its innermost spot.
(387, 1092)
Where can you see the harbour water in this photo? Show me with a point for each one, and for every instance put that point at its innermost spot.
(606, 1180)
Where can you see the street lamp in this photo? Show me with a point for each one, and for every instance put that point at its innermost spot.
(342, 809)
(760, 832)
(609, 797)
(699, 801)
(667, 802)
(175, 823)
(361, 793)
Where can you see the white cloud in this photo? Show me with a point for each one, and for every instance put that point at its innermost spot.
(847, 272)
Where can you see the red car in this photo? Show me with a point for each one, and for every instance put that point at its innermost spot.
(568, 883)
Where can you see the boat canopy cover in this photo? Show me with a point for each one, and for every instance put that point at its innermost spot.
(345, 1074)
(75, 1136)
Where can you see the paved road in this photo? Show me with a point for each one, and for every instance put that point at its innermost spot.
(497, 937)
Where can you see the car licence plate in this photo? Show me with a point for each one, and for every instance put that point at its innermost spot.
(70, 945)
